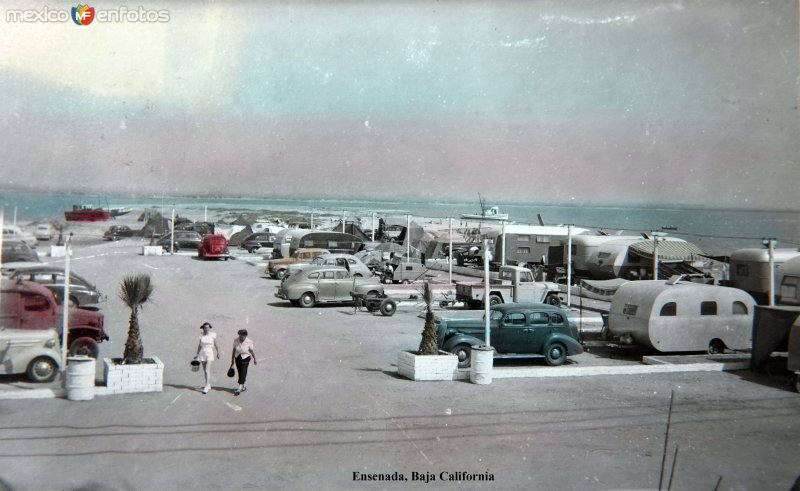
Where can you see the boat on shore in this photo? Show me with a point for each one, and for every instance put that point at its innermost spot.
(86, 213)
(118, 212)
(487, 212)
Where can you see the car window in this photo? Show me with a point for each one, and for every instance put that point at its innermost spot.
(351, 261)
(514, 319)
(495, 315)
(328, 275)
(35, 303)
(313, 276)
(556, 319)
(539, 318)
(340, 275)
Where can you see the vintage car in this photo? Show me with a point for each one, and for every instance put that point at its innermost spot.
(214, 246)
(348, 261)
(326, 284)
(18, 251)
(276, 268)
(256, 241)
(43, 231)
(181, 239)
(31, 351)
(517, 330)
(81, 291)
(116, 232)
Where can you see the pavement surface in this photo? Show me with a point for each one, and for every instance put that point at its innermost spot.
(325, 408)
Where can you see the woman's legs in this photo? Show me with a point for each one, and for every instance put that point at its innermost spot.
(241, 367)
(207, 374)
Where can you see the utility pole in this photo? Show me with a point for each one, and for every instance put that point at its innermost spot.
(450, 248)
(770, 245)
(569, 266)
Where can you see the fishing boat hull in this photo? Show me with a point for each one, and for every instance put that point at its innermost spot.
(87, 215)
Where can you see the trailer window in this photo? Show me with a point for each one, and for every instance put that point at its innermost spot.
(542, 239)
(669, 309)
(708, 308)
(630, 309)
(739, 308)
(742, 270)
(789, 287)
(523, 238)
(523, 250)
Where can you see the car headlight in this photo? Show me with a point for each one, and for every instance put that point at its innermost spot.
(50, 343)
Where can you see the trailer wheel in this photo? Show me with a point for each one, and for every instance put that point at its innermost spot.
(555, 355)
(84, 346)
(388, 307)
(716, 347)
(464, 354)
(553, 299)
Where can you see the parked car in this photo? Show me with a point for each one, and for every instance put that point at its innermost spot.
(181, 239)
(18, 251)
(116, 232)
(81, 291)
(256, 241)
(214, 246)
(276, 268)
(348, 261)
(43, 231)
(326, 284)
(14, 233)
(33, 352)
(518, 330)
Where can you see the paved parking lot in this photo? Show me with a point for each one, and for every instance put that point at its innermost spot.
(325, 407)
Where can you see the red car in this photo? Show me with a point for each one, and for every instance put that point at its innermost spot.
(213, 246)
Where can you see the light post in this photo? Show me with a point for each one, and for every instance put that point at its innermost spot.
(657, 238)
(770, 245)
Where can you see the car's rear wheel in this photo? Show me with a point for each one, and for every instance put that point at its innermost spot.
(42, 369)
(555, 354)
(307, 300)
(84, 346)
(280, 274)
(464, 354)
(388, 307)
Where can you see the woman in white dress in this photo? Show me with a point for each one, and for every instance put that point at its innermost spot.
(206, 349)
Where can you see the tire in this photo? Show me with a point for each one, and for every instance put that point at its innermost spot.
(280, 274)
(84, 346)
(388, 307)
(495, 300)
(42, 369)
(464, 354)
(553, 299)
(371, 306)
(716, 347)
(306, 300)
(555, 354)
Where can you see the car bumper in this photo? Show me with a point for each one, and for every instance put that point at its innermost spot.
(282, 296)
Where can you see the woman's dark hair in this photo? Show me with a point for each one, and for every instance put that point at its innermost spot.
(206, 324)
(242, 332)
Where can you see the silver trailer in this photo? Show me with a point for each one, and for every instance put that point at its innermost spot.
(787, 278)
(677, 315)
(750, 269)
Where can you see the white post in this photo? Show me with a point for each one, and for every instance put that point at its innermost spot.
(486, 299)
(771, 252)
(65, 304)
(569, 265)
(373, 226)
(2, 217)
(312, 218)
(205, 213)
(655, 256)
(172, 233)
(503, 250)
(450, 249)
(342, 221)
(408, 238)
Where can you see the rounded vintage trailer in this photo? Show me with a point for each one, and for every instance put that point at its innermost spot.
(283, 241)
(749, 269)
(674, 315)
(787, 279)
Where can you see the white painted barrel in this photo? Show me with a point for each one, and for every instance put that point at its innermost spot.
(481, 365)
(80, 378)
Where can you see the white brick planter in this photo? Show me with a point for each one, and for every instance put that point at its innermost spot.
(152, 250)
(147, 376)
(443, 366)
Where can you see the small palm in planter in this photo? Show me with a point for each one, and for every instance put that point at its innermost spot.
(428, 363)
(135, 291)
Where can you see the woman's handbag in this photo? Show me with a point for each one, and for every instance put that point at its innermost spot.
(231, 372)
(195, 363)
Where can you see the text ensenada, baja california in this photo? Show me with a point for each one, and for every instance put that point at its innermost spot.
(424, 476)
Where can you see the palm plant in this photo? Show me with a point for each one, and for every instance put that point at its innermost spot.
(428, 345)
(135, 290)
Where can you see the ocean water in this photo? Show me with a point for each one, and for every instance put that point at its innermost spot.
(714, 231)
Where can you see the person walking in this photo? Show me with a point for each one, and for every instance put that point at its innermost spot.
(205, 352)
(241, 356)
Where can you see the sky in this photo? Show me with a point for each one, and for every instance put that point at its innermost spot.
(689, 103)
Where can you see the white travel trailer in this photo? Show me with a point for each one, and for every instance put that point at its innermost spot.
(677, 315)
(283, 241)
(788, 280)
(750, 269)
(604, 257)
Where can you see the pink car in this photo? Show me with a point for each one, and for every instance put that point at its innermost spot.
(213, 246)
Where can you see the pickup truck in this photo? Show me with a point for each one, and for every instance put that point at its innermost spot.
(277, 268)
(517, 330)
(514, 284)
(29, 305)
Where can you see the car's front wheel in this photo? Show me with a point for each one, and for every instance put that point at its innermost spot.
(42, 369)
(555, 354)
(307, 300)
(464, 354)
(280, 274)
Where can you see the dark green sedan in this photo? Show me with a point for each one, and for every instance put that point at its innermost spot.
(517, 330)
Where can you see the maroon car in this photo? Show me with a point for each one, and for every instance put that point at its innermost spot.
(213, 246)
